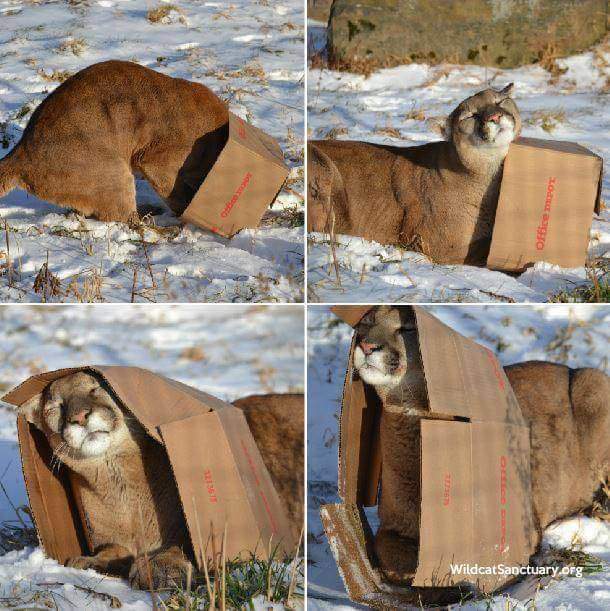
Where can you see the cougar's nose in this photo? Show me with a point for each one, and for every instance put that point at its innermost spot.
(495, 117)
(80, 417)
(368, 348)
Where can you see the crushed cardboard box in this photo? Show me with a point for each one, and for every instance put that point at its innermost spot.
(246, 177)
(548, 194)
(219, 472)
(475, 469)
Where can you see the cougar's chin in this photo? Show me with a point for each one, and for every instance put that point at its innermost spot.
(375, 377)
(95, 444)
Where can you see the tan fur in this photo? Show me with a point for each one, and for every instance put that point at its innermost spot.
(569, 414)
(277, 422)
(568, 411)
(439, 198)
(85, 140)
(127, 489)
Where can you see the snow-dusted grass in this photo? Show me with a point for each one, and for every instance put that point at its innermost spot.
(229, 351)
(405, 106)
(575, 335)
(249, 53)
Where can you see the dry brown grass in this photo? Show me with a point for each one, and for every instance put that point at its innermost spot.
(389, 131)
(334, 132)
(193, 353)
(547, 58)
(76, 46)
(548, 120)
(55, 75)
(161, 13)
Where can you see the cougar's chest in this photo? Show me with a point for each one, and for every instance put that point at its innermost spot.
(116, 503)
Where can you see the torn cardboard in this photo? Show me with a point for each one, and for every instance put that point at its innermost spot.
(548, 194)
(475, 468)
(219, 472)
(244, 180)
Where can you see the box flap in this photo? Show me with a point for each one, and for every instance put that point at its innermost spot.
(221, 476)
(151, 398)
(558, 146)
(476, 507)
(548, 194)
(244, 180)
(463, 378)
(352, 315)
(360, 457)
(49, 494)
(344, 525)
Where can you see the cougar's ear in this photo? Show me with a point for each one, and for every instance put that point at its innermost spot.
(507, 92)
(446, 130)
(31, 410)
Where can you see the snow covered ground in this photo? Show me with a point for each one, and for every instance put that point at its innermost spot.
(573, 335)
(229, 351)
(249, 53)
(405, 106)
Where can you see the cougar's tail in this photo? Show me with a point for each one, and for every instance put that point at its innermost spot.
(9, 179)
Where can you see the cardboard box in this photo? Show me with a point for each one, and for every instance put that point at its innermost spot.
(475, 468)
(244, 180)
(548, 194)
(219, 471)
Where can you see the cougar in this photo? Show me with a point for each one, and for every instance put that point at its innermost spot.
(568, 411)
(129, 498)
(439, 198)
(85, 140)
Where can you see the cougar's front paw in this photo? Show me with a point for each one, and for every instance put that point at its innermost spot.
(82, 562)
(397, 556)
(159, 571)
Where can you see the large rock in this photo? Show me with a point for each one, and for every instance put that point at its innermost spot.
(504, 33)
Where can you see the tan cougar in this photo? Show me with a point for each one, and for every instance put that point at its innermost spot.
(439, 198)
(83, 143)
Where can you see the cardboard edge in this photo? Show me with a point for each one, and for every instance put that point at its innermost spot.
(521, 143)
(598, 202)
(281, 162)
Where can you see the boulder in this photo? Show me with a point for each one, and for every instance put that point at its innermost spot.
(503, 33)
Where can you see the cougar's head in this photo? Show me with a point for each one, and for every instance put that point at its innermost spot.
(380, 357)
(488, 120)
(80, 418)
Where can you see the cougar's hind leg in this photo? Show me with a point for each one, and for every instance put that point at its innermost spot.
(319, 191)
(102, 187)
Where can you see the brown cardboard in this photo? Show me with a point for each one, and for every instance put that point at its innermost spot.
(475, 470)
(548, 194)
(244, 180)
(219, 471)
